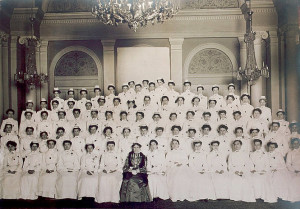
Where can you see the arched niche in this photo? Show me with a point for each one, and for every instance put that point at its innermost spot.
(209, 64)
(75, 67)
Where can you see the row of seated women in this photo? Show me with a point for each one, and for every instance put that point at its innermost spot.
(176, 175)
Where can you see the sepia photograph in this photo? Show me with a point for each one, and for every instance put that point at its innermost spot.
(162, 104)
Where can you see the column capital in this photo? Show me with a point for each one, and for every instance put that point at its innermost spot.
(108, 45)
(3, 36)
(23, 40)
(176, 41)
(262, 34)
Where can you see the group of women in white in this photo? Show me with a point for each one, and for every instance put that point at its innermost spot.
(147, 142)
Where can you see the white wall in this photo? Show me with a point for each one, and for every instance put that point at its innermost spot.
(138, 63)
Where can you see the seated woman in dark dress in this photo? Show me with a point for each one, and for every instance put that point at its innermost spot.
(135, 182)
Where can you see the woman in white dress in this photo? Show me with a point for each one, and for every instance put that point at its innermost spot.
(293, 165)
(218, 167)
(110, 175)
(68, 166)
(125, 143)
(156, 169)
(88, 178)
(201, 187)
(178, 178)
(48, 174)
(31, 172)
(12, 168)
(261, 173)
(280, 176)
(239, 167)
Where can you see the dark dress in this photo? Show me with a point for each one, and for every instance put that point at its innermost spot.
(135, 186)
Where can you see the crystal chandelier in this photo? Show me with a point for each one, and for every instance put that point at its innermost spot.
(136, 13)
(251, 72)
(30, 77)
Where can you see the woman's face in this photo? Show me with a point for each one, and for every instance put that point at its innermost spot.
(29, 105)
(215, 146)
(175, 131)
(237, 145)
(197, 147)
(257, 146)
(60, 132)
(153, 146)
(67, 146)
(275, 127)
(44, 136)
(34, 147)
(10, 114)
(175, 144)
(76, 114)
(189, 115)
(206, 131)
(139, 116)
(29, 132)
(222, 131)
(8, 129)
(173, 117)
(11, 148)
(94, 114)
(110, 147)
(54, 105)
(272, 147)
(76, 132)
(256, 114)
(180, 101)
(196, 102)
(126, 132)
(130, 104)
(296, 144)
(108, 132)
(229, 100)
(108, 115)
(28, 116)
(156, 118)
(159, 132)
(136, 149)
(88, 106)
(262, 102)
(123, 116)
(51, 145)
(212, 104)
(89, 148)
(44, 116)
(93, 130)
(164, 101)
(239, 133)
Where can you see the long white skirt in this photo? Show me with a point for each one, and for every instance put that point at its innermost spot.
(87, 185)
(241, 188)
(221, 184)
(47, 183)
(280, 181)
(201, 186)
(11, 186)
(29, 186)
(262, 187)
(294, 191)
(158, 186)
(178, 182)
(109, 187)
(66, 185)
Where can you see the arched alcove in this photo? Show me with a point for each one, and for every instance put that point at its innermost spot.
(75, 67)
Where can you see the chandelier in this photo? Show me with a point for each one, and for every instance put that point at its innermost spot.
(30, 77)
(251, 72)
(136, 13)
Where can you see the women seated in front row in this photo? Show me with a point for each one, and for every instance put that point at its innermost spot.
(198, 176)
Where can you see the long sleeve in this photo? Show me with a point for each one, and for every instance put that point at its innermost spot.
(289, 162)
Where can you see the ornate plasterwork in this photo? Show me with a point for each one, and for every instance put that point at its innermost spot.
(76, 63)
(210, 61)
(210, 4)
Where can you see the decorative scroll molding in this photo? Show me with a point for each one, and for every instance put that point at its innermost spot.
(210, 4)
(3, 36)
(210, 61)
(262, 34)
(202, 51)
(56, 6)
(76, 63)
(23, 40)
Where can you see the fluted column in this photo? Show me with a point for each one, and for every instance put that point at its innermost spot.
(108, 63)
(5, 74)
(42, 67)
(13, 70)
(243, 59)
(3, 37)
(176, 62)
(292, 77)
(259, 88)
(274, 75)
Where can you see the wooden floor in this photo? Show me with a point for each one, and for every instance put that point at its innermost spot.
(156, 204)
